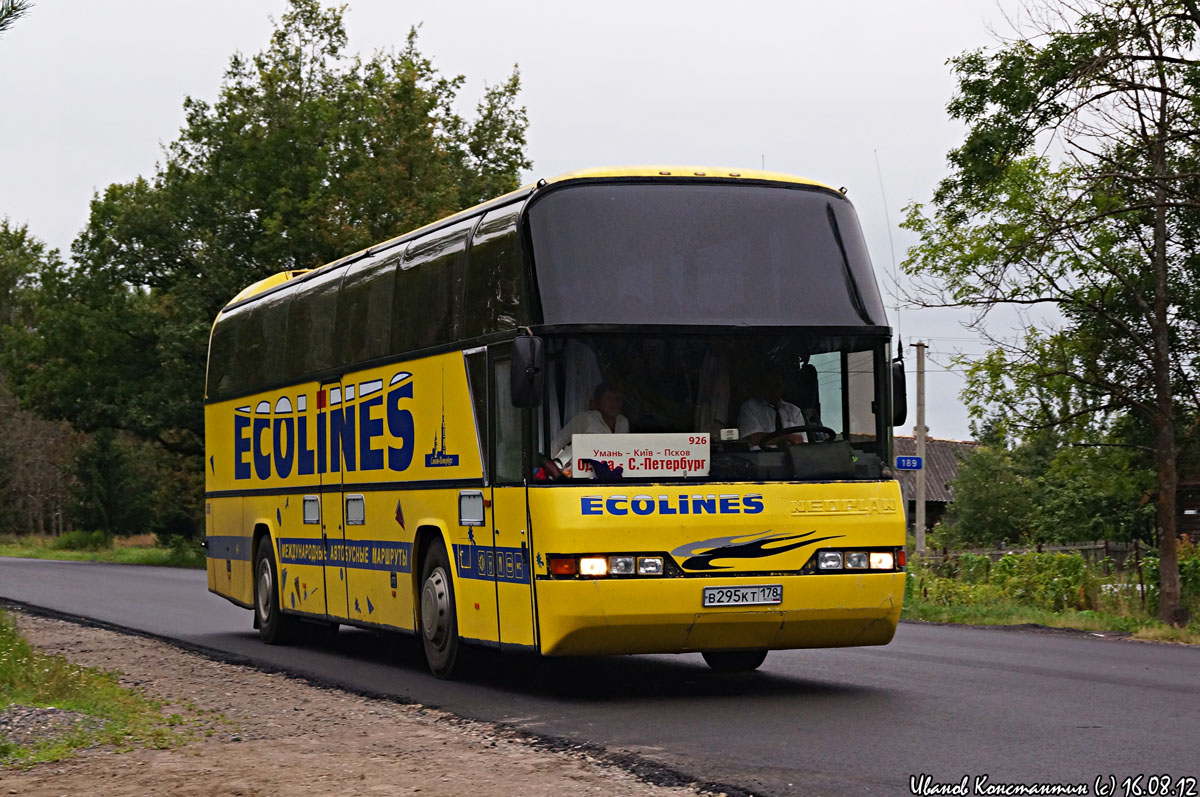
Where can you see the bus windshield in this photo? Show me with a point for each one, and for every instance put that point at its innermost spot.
(701, 254)
(811, 397)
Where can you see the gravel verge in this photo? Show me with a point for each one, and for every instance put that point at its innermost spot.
(239, 731)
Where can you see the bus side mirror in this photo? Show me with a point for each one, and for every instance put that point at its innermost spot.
(899, 394)
(528, 371)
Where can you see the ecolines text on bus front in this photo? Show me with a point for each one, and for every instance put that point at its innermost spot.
(343, 434)
(671, 505)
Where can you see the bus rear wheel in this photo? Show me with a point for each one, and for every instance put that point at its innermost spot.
(439, 618)
(274, 626)
(734, 660)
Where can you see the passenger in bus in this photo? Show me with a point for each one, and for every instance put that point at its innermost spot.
(768, 413)
(604, 417)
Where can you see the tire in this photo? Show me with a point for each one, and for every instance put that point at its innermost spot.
(275, 627)
(734, 660)
(438, 616)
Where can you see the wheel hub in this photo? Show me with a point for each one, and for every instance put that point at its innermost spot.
(264, 590)
(435, 607)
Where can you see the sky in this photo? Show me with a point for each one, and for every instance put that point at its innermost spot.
(851, 94)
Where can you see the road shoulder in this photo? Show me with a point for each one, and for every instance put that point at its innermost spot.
(242, 731)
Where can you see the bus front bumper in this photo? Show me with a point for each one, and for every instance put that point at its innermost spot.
(612, 616)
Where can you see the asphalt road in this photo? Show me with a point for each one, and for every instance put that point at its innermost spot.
(1016, 707)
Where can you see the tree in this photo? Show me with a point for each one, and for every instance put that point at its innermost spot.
(307, 155)
(1102, 236)
(11, 11)
(1093, 494)
(993, 500)
(113, 489)
(34, 453)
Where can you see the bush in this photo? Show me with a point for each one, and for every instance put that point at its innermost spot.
(1047, 581)
(82, 541)
(974, 568)
(1189, 577)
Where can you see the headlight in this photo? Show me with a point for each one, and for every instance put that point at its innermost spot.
(594, 566)
(620, 565)
(830, 560)
(856, 560)
(650, 565)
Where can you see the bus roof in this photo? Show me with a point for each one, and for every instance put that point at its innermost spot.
(704, 172)
(672, 172)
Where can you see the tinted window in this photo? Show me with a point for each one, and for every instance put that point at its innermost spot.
(701, 253)
(269, 322)
(248, 345)
(311, 322)
(221, 353)
(477, 379)
(364, 317)
(496, 280)
(429, 288)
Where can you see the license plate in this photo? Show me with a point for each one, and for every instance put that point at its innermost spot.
(760, 595)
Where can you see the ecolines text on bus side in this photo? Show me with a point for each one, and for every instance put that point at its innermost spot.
(342, 434)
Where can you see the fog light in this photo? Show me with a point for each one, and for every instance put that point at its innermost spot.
(593, 566)
(650, 565)
(856, 560)
(829, 560)
(882, 560)
(620, 565)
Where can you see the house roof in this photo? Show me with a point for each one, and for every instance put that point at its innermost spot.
(941, 466)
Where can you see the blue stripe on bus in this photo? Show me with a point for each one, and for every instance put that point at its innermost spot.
(507, 565)
(391, 557)
(229, 547)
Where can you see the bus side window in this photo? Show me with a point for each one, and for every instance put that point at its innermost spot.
(510, 427)
(496, 275)
(364, 314)
(270, 316)
(429, 285)
(476, 361)
(311, 327)
(222, 370)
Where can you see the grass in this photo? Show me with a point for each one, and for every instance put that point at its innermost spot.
(1007, 613)
(93, 547)
(1055, 591)
(118, 716)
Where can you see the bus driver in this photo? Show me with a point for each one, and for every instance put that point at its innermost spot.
(769, 413)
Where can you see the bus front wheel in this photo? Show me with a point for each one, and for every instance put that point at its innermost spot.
(274, 626)
(734, 660)
(439, 619)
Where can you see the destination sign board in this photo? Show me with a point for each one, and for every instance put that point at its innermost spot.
(642, 456)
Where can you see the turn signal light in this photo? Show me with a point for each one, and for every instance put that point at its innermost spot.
(563, 567)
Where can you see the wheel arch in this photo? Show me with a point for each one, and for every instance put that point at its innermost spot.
(425, 536)
(261, 531)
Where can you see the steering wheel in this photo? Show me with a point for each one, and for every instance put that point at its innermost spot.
(770, 440)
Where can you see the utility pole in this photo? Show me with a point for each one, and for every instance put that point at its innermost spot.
(920, 435)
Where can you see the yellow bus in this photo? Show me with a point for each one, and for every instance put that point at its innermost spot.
(635, 410)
